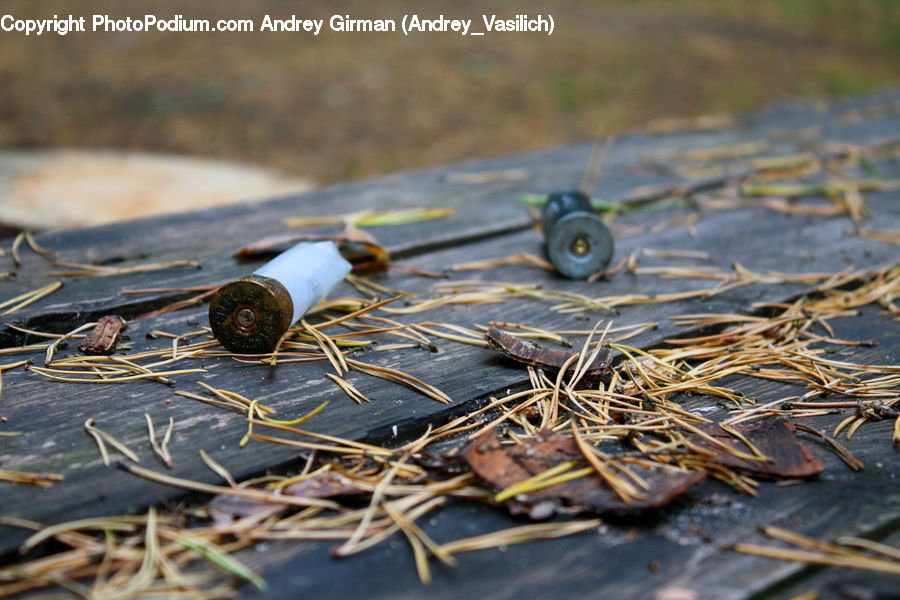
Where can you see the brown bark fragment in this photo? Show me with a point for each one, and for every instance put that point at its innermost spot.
(775, 437)
(503, 466)
(102, 338)
(551, 360)
(324, 485)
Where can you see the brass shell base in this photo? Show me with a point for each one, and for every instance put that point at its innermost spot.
(249, 315)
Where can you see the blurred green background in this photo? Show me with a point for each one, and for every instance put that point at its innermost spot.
(343, 106)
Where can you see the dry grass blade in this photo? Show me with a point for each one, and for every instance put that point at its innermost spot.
(370, 288)
(345, 451)
(582, 366)
(232, 399)
(528, 331)
(84, 270)
(624, 489)
(27, 298)
(102, 438)
(218, 469)
(417, 531)
(895, 439)
(865, 544)
(561, 473)
(161, 449)
(331, 351)
(821, 558)
(343, 444)
(14, 249)
(348, 389)
(739, 150)
(121, 523)
(353, 543)
(462, 335)
(250, 493)
(891, 236)
(826, 553)
(373, 218)
(651, 253)
(38, 479)
(401, 378)
(687, 221)
(180, 304)
(832, 188)
(357, 313)
(845, 455)
(8, 367)
(519, 535)
(95, 377)
(252, 413)
(221, 559)
(168, 290)
(36, 247)
(419, 555)
(48, 358)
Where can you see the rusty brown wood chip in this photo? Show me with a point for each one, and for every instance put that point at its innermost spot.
(775, 437)
(549, 359)
(503, 466)
(102, 338)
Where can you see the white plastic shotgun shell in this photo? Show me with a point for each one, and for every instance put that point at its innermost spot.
(250, 315)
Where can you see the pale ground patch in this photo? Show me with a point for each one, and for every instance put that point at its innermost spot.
(48, 189)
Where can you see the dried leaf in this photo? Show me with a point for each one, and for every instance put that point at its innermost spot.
(504, 466)
(550, 360)
(365, 254)
(775, 437)
(324, 485)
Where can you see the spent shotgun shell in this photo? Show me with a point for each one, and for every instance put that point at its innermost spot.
(251, 314)
(578, 242)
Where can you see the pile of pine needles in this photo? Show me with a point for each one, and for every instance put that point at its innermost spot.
(360, 494)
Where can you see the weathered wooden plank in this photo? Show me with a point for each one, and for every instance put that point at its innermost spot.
(684, 539)
(685, 545)
(838, 584)
(215, 233)
(297, 388)
(52, 415)
(805, 244)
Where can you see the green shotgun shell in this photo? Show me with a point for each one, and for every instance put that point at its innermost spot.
(578, 242)
(249, 315)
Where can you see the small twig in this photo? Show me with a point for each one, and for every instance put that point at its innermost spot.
(845, 455)
(162, 449)
(101, 437)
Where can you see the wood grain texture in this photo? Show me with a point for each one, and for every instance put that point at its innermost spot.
(689, 539)
(488, 223)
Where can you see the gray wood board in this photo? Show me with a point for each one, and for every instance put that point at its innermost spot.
(689, 539)
(843, 584)
(51, 415)
(210, 236)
